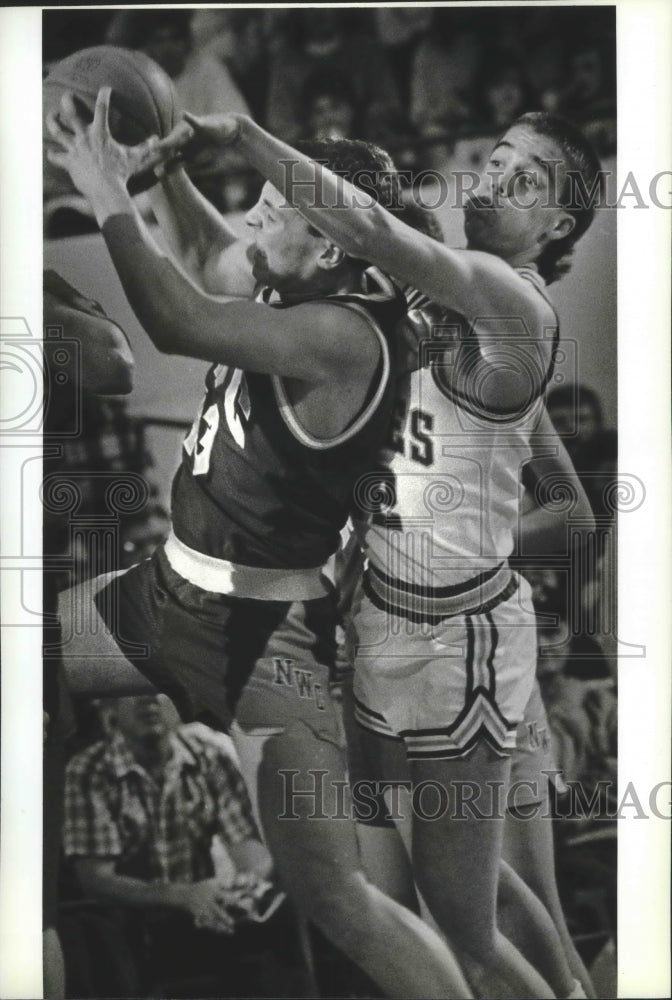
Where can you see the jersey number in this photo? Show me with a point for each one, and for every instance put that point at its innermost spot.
(202, 435)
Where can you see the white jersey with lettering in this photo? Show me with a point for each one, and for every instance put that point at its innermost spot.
(437, 516)
(443, 629)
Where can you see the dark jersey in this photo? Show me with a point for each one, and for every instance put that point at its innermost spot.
(254, 488)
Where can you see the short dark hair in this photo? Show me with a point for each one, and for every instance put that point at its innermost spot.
(363, 164)
(583, 186)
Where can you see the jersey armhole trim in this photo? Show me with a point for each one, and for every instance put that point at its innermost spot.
(322, 444)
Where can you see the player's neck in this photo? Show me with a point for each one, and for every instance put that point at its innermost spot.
(526, 258)
(319, 290)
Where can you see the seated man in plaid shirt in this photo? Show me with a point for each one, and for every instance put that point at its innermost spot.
(141, 810)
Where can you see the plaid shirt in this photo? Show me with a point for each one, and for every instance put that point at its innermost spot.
(113, 808)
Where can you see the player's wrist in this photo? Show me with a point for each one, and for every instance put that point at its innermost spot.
(109, 197)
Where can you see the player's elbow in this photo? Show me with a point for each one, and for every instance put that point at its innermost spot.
(583, 518)
(121, 370)
(118, 378)
(108, 365)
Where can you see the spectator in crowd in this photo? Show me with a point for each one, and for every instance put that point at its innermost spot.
(545, 69)
(329, 107)
(444, 77)
(399, 30)
(319, 39)
(589, 93)
(576, 413)
(505, 93)
(142, 808)
(242, 39)
(580, 700)
(589, 97)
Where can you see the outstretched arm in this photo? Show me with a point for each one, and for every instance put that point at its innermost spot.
(484, 289)
(305, 342)
(473, 283)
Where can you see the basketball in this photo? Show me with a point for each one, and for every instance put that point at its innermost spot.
(143, 100)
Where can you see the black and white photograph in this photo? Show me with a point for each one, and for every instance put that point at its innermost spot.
(335, 478)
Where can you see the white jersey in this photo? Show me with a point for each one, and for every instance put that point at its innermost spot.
(437, 517)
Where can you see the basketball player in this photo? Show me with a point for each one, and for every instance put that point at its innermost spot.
(540, 932)
(444, 628)
(232, 617)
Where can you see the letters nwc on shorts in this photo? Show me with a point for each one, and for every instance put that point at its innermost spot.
(442, 684)
(266, 663)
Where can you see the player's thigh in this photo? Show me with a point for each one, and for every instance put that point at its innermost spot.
(305, 813)
(92, 659)
(458, 815)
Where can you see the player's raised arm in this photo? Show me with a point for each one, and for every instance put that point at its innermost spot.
(305, 342)
(474, 284)
(204, 245)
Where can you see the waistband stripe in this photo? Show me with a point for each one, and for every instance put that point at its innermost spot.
(437, 593)
(431, 604)
(258, 583)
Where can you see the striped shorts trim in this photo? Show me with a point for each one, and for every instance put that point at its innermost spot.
(431, 604)
(447, 686)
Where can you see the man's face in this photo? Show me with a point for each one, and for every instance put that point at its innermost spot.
(331, 118)
(284, 252)
(141, 718)
(570, 419)
(587, 74)
(514, 210)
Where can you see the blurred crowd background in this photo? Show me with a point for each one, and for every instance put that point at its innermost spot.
(434, 86)
(416, 80)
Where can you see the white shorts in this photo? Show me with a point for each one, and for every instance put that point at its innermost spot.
(445, 686)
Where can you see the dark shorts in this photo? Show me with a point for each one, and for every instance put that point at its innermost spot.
(264, 663)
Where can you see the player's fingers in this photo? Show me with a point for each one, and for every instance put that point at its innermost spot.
(198, 124)
(69, 115)
(216, 128)
(182, 134)
(56, 130)
(147, 155)
(101, 115)
(58, 158)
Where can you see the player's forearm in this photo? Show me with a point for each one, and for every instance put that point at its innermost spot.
(473, 284)
(558, 517)
(181, 319)
(193, 229)
(158, 293)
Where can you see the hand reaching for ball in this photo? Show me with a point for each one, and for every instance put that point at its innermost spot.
(90, 154)
(195, 136)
